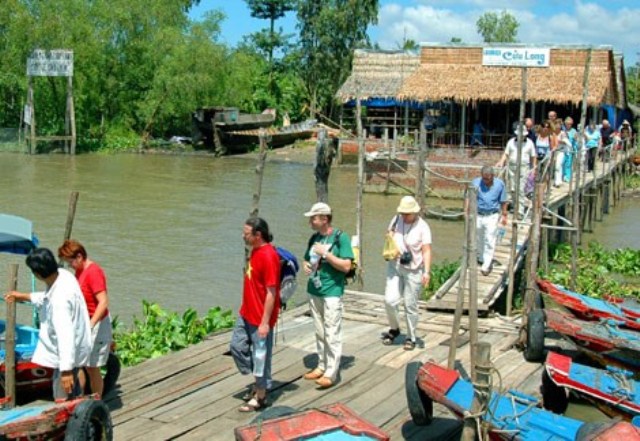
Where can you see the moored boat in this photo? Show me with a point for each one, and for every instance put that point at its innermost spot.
(511, 415)
(612, 390)
(588, 308)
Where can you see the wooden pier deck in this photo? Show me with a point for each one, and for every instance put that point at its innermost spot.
(194, 394)
(492, 286)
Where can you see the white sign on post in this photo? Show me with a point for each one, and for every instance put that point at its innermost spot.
(27, 114)
(515, 57)
(53, 63)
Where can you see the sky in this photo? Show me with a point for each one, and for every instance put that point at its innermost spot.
(437, 21)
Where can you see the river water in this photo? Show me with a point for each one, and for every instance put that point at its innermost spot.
(168, 228)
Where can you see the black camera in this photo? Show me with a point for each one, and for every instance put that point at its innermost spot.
(405, 258)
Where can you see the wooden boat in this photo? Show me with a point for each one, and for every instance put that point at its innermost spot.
(210, 123)
(629, 306)
(511, 416)
(241, 140)
(602, 341)
(613, 390)
(587, 308)
(84, 418)
(331, 422)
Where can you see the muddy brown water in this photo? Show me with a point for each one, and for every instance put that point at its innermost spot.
(167, 228)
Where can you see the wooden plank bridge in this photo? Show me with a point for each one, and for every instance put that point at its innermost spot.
(194, 394)
(599, 190)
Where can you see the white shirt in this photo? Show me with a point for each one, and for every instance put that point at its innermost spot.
(528, 151)
(65, 334)
(411, 237)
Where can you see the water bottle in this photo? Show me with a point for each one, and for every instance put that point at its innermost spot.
(313, 260)
(501, 232)
(260, 357)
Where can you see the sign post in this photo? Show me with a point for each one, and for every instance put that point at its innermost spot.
(51, 63)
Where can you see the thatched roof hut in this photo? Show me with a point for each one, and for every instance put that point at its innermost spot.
(453, 72)
(378, 74)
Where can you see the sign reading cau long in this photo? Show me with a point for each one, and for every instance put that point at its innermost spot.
(515, 57)
(54, 63)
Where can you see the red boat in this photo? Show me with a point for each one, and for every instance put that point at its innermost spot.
(612, 390)
(602, 341)
(588, 308)
(331, 422)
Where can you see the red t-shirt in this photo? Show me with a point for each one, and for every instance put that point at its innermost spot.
(263, 271)
(92, 281)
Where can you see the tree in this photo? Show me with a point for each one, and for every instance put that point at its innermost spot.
(456, 40)
(496, 28)
(268, 40)
(330, 30)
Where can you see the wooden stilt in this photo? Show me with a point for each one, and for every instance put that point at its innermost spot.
(482, 391)
(472, 262)
(10, 342)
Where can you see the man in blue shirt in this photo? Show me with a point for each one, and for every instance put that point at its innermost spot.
(492, 209)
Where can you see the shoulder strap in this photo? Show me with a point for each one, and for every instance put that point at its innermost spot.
(395, 222)
(312, 240)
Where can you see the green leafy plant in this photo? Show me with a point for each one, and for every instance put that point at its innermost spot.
(600, 271)
(440, 273)
(159, 332)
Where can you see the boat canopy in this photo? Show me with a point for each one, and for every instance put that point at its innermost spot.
(16, 235)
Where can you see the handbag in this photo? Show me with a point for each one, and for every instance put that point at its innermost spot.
(390, 250)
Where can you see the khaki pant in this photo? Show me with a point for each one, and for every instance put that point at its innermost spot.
(327, 319)
(403, 285)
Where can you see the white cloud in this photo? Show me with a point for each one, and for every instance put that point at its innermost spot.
(582, 22)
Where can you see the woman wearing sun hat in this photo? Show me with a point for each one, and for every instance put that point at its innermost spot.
(408, 273)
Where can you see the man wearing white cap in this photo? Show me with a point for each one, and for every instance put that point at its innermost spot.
(528, 162)
(409, 272)
(327, 260)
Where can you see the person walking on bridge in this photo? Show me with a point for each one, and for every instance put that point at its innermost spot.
(528, 162)
(492, 210)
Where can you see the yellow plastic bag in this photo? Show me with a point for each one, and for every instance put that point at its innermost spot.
(390, 250)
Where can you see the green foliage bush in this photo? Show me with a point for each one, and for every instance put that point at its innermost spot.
(160, 332)
(600, 271)
(440, 273)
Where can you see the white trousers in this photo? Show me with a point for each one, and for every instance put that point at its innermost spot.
(557, 169)
(524, 174)
(403, 285)
(487, 230)
(327, 319)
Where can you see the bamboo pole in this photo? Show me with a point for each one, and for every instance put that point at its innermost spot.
(516, 202)
(473, 277)
(420, 182)
(359, 196)
(10, 342)
(71, 214)
(533, 252)
(462, 281)
(482, 392)
(262, 157)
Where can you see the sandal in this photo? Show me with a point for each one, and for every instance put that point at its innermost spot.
(389, 336)
(409, 345)
(248, 395)
(253, 405)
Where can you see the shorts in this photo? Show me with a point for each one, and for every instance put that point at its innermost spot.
(101, 338)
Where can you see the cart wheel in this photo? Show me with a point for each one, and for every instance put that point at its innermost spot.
(534, 350)
(112, 375)
(538, 301)
(554, 398)
(90, 421)
(420, 405)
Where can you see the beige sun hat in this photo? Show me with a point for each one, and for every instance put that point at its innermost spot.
(408, 205)
(318, 208)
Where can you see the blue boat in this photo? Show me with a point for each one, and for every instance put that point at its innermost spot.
(511, 416)
(612, 390)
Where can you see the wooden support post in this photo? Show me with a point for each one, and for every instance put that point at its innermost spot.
(322, 166)
(359, 196)
(533, 252)
(32, 126)
(71, 214)
(544, 245)
(482, 392)
(420, 182)
(72, 114)
(473, 276)
(516, 202)
(10, 342)
(262, 158)
(462, 281)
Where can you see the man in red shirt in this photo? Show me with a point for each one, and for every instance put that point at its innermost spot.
(252, 339)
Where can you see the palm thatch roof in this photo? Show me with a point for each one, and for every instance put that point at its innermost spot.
(449, 73)
(378, 74)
